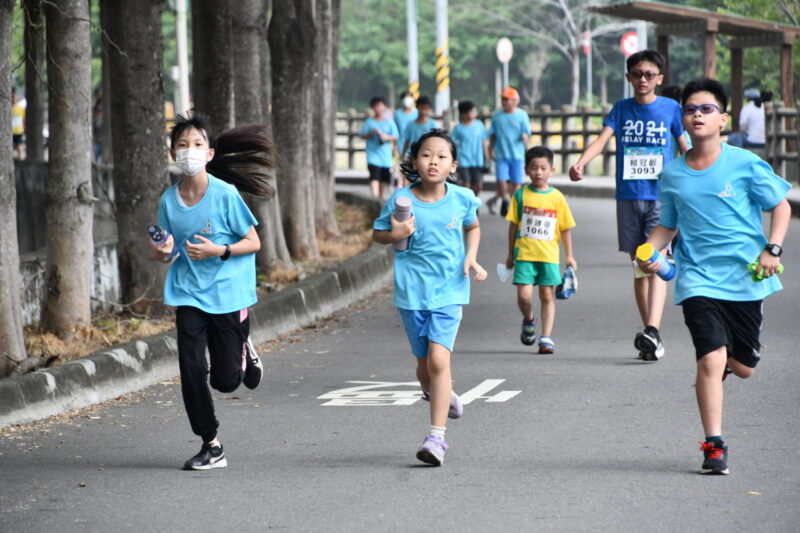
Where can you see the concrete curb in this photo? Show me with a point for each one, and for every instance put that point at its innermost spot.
(124, 368)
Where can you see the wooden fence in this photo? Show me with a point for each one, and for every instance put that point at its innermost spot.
(566, 131)
(782, 140)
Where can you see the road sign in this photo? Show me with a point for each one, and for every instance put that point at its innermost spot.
(504, 50)
(586, 42)
(629, 43)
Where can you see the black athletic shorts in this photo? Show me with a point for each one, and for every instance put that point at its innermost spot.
(715, 323)
(469, 176)
(382, 174)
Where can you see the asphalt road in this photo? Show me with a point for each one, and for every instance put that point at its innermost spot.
(587, 439)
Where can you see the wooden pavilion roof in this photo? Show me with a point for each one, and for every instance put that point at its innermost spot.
(683, 19)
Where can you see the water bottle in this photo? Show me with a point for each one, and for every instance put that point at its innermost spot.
(159, 235)
(647, 252)
(402, 211)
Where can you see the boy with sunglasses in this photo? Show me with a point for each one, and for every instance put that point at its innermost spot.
(644, 127)
(715, 195)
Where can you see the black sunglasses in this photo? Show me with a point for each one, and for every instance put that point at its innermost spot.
(638, 74)
(705, 109)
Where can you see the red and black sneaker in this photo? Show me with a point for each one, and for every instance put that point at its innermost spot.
(726, 373)
(716, 458)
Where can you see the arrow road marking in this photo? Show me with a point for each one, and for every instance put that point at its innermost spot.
(373, 393)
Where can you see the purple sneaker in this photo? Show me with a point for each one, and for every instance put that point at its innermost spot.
(432, 450)
(456, 409)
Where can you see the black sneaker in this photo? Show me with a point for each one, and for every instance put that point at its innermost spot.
(208, 457)
(728, 371)
(254, 369)
(504, 208)
(490, 204)
(648, 342)
(716, 458)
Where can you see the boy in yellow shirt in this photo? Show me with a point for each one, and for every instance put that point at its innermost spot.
(539, 218)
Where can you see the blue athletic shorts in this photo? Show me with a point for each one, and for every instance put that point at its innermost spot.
(510, 169)
(437, 325)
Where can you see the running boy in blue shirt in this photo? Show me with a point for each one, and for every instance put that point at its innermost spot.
(714, 195)
(644, 127)
(422, 125)
(508, 137)
(470, 138)
(380, 132)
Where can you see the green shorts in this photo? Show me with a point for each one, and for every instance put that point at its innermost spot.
(536, 273)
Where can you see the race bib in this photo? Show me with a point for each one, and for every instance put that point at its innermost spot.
(539, 224)
(642, 162)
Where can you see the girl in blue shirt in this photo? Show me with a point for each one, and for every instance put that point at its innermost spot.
(432, 274)
(212, 281)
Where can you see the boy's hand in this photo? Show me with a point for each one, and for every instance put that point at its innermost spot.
(576, 172)
(480, 272)
(571, 262)
(203, 249)
(510, 261)
(648, 267)
(165, 248)
(402, 229)
(768, 264)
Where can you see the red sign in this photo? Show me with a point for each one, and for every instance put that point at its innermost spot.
(629, 44)
(586, 42)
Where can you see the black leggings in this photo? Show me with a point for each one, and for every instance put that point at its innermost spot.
(226, 337)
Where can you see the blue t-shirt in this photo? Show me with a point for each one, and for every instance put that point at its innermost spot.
(718, 213)
(414, 131)
(209, 284)
(469, 140)
(430, 273)
(507, 129)
(403, 119)
(379, 153)
(644, 135)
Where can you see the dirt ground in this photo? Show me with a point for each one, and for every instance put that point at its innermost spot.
(355, 225)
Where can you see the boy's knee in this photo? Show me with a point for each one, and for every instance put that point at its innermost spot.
(228, 385)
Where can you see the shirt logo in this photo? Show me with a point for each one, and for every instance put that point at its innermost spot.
(208, 229)
(728, 192)
(453, 223)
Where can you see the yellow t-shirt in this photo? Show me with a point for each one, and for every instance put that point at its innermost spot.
(540, 220)
(18, 118)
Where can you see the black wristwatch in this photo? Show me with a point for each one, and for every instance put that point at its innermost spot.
(774, 249)
(226, 254)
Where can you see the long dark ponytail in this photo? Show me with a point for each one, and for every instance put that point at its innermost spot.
(242, 155)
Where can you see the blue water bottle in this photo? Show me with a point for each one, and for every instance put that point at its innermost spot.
(647, 252)
(159, 235)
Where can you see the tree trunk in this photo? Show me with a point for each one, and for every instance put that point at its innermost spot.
(293, 47)
(69, 198)
(137, 131)
(12, 344)
(247, 21)
(325, 116)
(251, 65)
(212, 62)
(34, 78)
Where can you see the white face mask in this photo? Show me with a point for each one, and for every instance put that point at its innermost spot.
(191, 160)
(408, 102)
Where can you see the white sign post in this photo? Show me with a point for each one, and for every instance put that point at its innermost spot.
(629, 45)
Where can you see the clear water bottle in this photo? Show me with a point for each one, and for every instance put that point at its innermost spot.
(647, 252)
(402, 212)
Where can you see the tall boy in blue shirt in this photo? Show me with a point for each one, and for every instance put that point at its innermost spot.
(714, 195)
(380, 133)
(470, 138)
(644, 127)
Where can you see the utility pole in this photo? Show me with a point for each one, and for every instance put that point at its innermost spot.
(411, 37)
(183, 57)
(442, 58)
